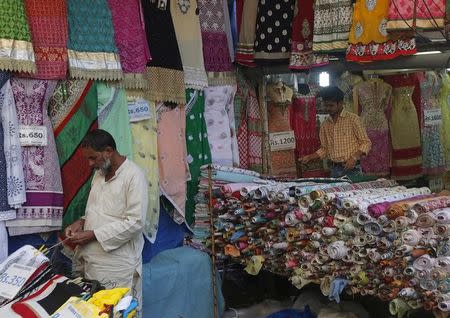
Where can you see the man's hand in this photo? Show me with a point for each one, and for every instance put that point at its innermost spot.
(306, 159)
(74, 228)
(82, 237)
(350, 164)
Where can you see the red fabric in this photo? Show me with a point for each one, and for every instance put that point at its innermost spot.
(49, 32)
(239, 11)
(381, 51)
(304, 124)
(402, 154)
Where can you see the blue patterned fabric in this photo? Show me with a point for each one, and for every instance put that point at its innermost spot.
(4, 76)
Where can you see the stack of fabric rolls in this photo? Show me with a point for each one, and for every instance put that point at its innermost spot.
(370, 238)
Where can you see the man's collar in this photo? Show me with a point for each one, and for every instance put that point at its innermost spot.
(343, 113)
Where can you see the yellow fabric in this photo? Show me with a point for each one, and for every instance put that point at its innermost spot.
(254, 265)
(369, 22)
(445, 105)
(340, 140)
(108, 297)
(85, 309)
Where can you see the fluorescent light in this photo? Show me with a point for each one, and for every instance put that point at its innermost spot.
(324, 79)
(428, 52)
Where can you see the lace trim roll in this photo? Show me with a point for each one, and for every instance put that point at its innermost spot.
(166, 85)
(221, 78)
(95, 65)
(195, 78)
(17, 56)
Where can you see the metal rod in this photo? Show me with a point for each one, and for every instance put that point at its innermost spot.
(213, 244)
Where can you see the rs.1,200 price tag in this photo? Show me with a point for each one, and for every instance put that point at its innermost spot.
(282, 140)
(13, 279)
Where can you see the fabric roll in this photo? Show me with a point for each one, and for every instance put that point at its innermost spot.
(425, 220)
(411, 237)
(337, 250)
(442, 230)
(442, 216)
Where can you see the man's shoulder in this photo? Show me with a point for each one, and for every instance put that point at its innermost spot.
(134, 169)
(352, 116)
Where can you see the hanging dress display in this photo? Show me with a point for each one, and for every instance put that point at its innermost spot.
(445, 109)
(145, 155)
(129, 34)
(373, 99)
(421, 14)
(247, 27)
(49, 31)
(432, 130)
(240, 116)
(198, 152)
(346, 83)
(406, 143)
(165, 72)
(302, 56)
(187, 29)
(274, 29)
(16, 49)
(73, 113)
(92, 50)
(332, 22)
(214, 38)
(43, 210)
(368, 39)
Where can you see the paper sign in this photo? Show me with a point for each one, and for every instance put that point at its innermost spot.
(139, 110)
(432, 117)
(13, 279)
(282, 140)
(33, 135)
(68, 311)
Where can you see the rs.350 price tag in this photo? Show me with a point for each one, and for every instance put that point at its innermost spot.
(33, 135)
(13, 279)
(282, 140)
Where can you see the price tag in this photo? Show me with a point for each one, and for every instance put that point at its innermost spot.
(139, 110)
(68, 311)
(432, 117)
(13, 279)
(33, 135)
(75, 308)
(282, 140)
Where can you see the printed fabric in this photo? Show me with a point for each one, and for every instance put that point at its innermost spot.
(422, 14)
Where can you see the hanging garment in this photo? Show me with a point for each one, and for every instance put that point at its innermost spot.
(16, 49)
(165, 70)
(445, 109)
(173, 168)
(198, 152)
(113, 117)
(255, 132)
(421, 14)
(432, 130)
(274, 29)
(228, 29)
(214, 37)
(92, 51)
(218, 99)
(406, 143)
(12, 149)
(240, 117)
(187, 29)
(302, 56)
(332, 23)
(73, 112)
(145, 154)
(48, 27)
(246, 10)
(373, 99)
(44, 204)
(346, 83)
(131, 42)
(369, 40)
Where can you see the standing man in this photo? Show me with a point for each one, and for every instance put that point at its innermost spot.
(343, 137)
(109, 237)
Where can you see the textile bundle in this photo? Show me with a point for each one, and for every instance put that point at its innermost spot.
(369, 238)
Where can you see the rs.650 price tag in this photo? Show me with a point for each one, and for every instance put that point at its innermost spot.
(33, 135)
(13, 279)
(139, 110)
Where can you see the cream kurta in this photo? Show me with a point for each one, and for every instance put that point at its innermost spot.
(116, 212)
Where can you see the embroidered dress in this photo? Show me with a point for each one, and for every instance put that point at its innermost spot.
(346, 83)
(406, 143)
(131, 42)
(432, 130)
(302, 56)
(16, 49)
(445, 109)
(73, 112)
(43, 209)
(245, 51)
(374, 100)
(422, 14)
(198, 152)
(187, 29)
(332, 22)
(49, 31)
(92, 51)
(214, 38)
(165, 71)
(369, 40)
(145, 154)
(274, 29)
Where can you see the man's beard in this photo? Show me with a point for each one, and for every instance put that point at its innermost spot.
(105, 168)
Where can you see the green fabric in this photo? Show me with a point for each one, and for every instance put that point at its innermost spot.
(197, 145)
(77, 206)
(113, 117)
(13, 21)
